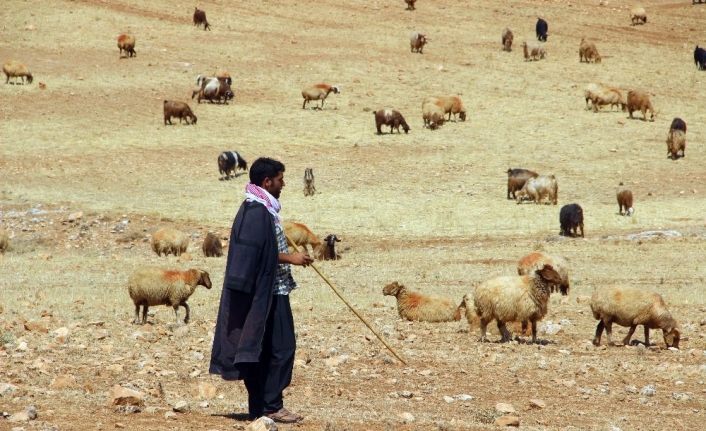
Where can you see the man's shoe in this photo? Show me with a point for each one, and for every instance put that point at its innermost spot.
(284, 416)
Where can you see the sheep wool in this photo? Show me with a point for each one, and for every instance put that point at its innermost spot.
(154, 286)
(167, 240)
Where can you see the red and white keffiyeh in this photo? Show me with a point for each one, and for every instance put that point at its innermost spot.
(258, 194)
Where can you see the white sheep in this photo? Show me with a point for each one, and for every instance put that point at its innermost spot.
(536, 260)
(424, 308)
(631, 306)
(318, 92)
(512, 299)
(155, 286)
(533, 50)
(638, 15)
(167, 240)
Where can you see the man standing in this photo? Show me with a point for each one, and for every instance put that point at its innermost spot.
(254, 339)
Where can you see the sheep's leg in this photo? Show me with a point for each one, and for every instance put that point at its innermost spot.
(647, 336)
(609, 331)
(137, 315)
(144, 313)
(506, 336)
(483, 330)
(599, 332)
(534, 331)
(186, 307)
(626, 340)
(176, 313)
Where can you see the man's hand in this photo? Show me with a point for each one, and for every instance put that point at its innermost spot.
(301, 259)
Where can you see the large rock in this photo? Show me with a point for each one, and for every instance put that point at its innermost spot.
(262, 424)
(505, 408)
(120, 396)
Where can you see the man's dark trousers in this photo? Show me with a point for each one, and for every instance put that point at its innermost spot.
(266, 380)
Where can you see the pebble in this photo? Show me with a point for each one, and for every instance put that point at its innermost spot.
(505, 408)
(407, 417)
(648, 391)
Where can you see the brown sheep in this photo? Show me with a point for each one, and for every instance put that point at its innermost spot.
(390, 117)
(318, 92)
(126, 42)
(432, 114)
(640, 101)
(15, 69)
(624, 197)
(200, 19)
(212, 246)
(414, 306)
(588, 52)
(449, 105)
(537, 188)
(301, 235)
(178, 109)
(602, 95)
(410, 4)
(516, 179)
(309, 187)
(169, 241)
(506, 39)
(676, 142)
(417, 41)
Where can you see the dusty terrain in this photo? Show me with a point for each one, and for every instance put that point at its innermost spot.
(89, 171)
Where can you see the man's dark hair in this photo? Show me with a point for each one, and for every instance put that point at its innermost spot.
(264, 167)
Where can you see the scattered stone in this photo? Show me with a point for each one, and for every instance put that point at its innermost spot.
(120, 396)
(407, 417)
(335, 361)
(648, 391)
(74, 216)
(170, 415)
(35, 326)
(181, 406)
(631, 389)
(29, 414)
(128, 409)
(508, 421)
(119, 425)
(425, 373)
(62, 334)
(449, 399)
(405, 394)
(681, 396)
(204, 404)
(262, 424)
(6, 389)
(464, 397)
(505, 408)
(537, 403)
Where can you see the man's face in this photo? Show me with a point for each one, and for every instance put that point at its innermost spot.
(274, 185)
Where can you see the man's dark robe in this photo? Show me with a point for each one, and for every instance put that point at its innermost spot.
(247, 292)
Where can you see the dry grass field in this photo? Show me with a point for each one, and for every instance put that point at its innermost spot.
(427, 209)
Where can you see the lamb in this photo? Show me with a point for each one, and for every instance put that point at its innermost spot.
(602, 95)
(629, 307)
(15, 69)
(541, 29)
(329, 250)
(432, 114)
(676, 142)
(415, 306)
(126, 42)
(309, 188)
(506, 39)
(571, 220)
(588, 52)
(533, 51)
(392, 118)
(624, 197)
(212, 246)
(640, 101)
(417, 41)
(638, 15)
(516, 179)
(301, 235)
(200, 19)
(537, 188)
(512, 299)
(169, 241)
(4, 241)
(178, 109)
(153, 286)
(229, 162)
(318, 92)
(410, 4)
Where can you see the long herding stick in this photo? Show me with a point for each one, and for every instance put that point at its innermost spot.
(338, 293)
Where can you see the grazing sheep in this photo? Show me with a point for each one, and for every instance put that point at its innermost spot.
(516, 179)
(676, 142)
(638, 15)
(301, 235)
(678, 124)
(602, 95)
(423, 308)
(452, 105)
(153, 286)
(223, 74)
(624, 197)
(169, 241)
(126, 42)
(4, 241)
(571, 220)
(506, 39)
(15, 69)
(631, 306)
(178, 109)
(229, 162)
(200, 19)
(512, 299)
(700, 58)
(392, 118)
(541, 29)
(410, 4)
(212, 88)
(533, 51)
(537, 188)
(309, 188)
(588, 52)
(212, 246)
(536, 260)
(318, 92)
(432, 114)
(417, 41)
(640, 101)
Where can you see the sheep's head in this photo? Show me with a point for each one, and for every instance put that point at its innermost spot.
(671, 337)
(331, 240)
(551, 277)
(405, 127)
(204, 279)
(336, 89)
(392, 289)
(462, 115)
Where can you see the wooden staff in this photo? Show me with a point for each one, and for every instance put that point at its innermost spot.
(338, 293)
